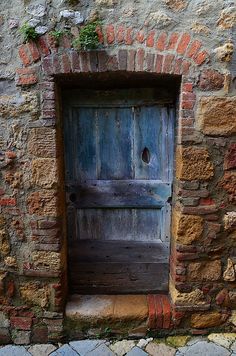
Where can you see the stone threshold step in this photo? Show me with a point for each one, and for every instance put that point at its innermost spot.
(148, 311)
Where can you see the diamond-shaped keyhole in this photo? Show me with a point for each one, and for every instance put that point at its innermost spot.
(146, 155)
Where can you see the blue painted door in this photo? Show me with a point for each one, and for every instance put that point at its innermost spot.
(118, 163)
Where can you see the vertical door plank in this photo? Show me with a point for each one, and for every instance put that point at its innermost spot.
(115, 144)
(84, 155)
(147, 134)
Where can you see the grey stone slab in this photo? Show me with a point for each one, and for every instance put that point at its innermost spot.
(65, 350)
(160, 349)
(122, 347)
(136, 351)
(41, 349)
(101, 350)
(201, 348)
(85, 346)
(233, 347)
(11, 350)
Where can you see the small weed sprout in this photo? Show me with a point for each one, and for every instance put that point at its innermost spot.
(28, 33)
(88, 37)
(57, 34)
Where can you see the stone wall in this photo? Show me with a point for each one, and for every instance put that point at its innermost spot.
(194, 39)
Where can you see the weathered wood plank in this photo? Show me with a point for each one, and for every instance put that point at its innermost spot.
(120, 193)
(114, 278)
(114, 143)
(121, 97)
(118, 251)
(147, 135)
(120, 224)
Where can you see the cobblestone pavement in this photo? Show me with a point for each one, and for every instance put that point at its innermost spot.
(211, 345)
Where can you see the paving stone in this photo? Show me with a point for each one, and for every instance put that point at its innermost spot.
(101, 350)
(178, 341)
(224, 339)
(85, 346)
(203, 348)
(160, 349)
(41, 349)
(122, 347)
(136, 351)
(10, 350)
(64, 350)
(143, 342)
(233, 346)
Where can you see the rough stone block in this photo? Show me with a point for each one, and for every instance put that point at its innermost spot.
(216, 116)
(42, 142)
(206, 320)
(43, 203)
(187, 228)
(46, 260)
(204, 271)
(35, 294)
(211, 80)
(193, 163)
(44, 172)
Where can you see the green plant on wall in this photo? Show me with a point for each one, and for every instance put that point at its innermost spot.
(57, 34)
(88, 37)
(28, 33)
(73, 2)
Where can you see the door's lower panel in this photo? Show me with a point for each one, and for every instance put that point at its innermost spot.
(118, 267)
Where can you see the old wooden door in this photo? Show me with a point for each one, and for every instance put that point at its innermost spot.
(118, 163)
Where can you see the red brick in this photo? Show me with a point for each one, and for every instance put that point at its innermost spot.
(7, 202)
(129, 37)
(166, 312)
(10, 289)
(75, 62)
(93, 62)
(24, 55)
(66, 42)
(168, 62)
(159, 312)
(150, 39)
(56, 64)
(161, 42)
(2, 192)
(110, 34)
(199, 210)
(122, 59)
(48, 114)
(140, 59)
(178, 66)
(151, 311)
(43, 45)
(27, 80)
(201, 58)
(230, 157)
(131, 60)
(150, 61)
(172, 41)
(120, 35)
(10, 154)
(187, 87)
(207, 201)
(187, 104)
(84, 61)
(34, 51)
(159, 61)
(183, 43)
(21, 323)
(140, 37)
(47, 66)
(189, 96)
(185, 67)
(194, 48)
(66, 66)
(100, 34)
